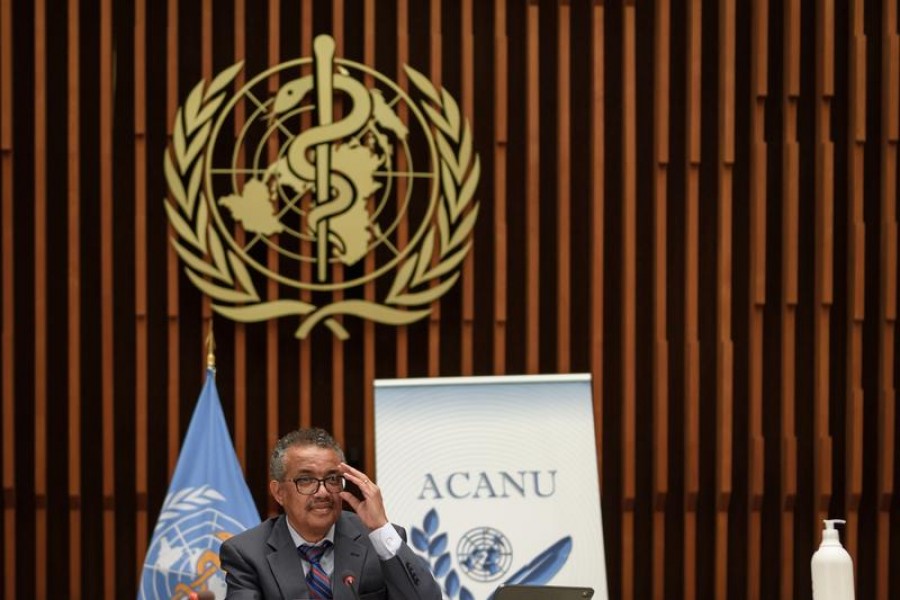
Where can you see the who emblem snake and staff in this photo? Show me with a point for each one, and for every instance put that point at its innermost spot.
(335, 180)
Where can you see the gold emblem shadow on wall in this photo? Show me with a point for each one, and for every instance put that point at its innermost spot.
(331, 197)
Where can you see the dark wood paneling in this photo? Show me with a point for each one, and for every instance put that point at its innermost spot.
(7, 170)
(743, 356)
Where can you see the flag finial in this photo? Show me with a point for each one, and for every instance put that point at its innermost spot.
(210, 348)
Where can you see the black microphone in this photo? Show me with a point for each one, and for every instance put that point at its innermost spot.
(349, 579)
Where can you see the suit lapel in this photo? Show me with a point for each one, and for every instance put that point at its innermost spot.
(285, 562)
(349, 556)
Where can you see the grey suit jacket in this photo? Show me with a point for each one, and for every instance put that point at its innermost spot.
(263, 564)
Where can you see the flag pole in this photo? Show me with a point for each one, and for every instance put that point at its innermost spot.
(210, 348)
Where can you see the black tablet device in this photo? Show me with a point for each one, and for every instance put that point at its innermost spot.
(542, 592)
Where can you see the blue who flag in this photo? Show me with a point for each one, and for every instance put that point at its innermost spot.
(208, 502)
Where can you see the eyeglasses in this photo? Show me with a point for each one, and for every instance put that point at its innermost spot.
(308, 485)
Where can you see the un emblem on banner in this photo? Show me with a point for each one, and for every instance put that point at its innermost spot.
(321, 175)
(483, 555)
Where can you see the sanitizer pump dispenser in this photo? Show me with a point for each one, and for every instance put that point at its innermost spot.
(832, 567)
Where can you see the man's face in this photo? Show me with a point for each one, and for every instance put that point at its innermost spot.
(311, 515)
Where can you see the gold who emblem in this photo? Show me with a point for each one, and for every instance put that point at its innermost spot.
(382, 177)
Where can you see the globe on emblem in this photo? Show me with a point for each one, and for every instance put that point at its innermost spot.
(184, 557)
(324, 177)
(484, 554)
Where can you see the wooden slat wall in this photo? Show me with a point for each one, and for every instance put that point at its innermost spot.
(790, 232)
(435, 72)
(532, 177)
(723, 282)
(596, 218)
(467, 103)
(887, 295)
(661, 92)
(627, 295)
(74, 329)
(691, 235)
(756, 290)
(856, 269)
(8, 426)
(707, 223)
(824, 263)
(500, 148)
(40, 297)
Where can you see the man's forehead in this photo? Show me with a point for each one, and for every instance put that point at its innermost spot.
(312, 457)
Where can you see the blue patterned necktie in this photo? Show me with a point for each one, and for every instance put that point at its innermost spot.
(317, 579)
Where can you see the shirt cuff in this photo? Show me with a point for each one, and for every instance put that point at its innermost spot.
(386, 541)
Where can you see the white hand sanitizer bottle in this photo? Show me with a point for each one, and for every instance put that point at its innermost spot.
(832, 567)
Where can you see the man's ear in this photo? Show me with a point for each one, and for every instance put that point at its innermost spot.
(276, 491)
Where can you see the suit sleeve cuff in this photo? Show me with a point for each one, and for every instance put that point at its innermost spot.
(386, 541)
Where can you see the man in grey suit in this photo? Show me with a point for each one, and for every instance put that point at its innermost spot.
(316, 551)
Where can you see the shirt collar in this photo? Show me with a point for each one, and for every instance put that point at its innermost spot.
(299, 539)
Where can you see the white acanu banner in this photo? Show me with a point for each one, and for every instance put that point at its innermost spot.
(494, 478)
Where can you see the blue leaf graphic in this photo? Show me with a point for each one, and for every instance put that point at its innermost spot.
(465, 594)
(451, 585)
(545, 565)
(419, 539)
(431, 522)
(438, 545)
(442, 565)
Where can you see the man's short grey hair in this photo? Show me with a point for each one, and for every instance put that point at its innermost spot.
(301, 437)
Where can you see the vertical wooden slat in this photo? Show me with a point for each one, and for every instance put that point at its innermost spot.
(7, 338)
(890, 127)
(563, 188)
(501, 135)
(239, 339)
(435, 28)
(468, 268)
(273, 37)
(691, 300)
(240, 331)
(369, 289)
(759, 52)
(725, 350)
(855, 294)
(8, 307)
(206, 72)
(272, 255)
(141, 376)
(40, 298)
(172, 264)
(74, 300)
(661, 95)
(107, 291)
(598, 156)
(402, 369)
(628, 343)
(787, 395)
(824, 234)
(337, 345)
(790, 275)
(533, 183)
(306, 41)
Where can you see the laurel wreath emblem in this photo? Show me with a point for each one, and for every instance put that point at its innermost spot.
(433, 544)
(421, 278)
(187, 500)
